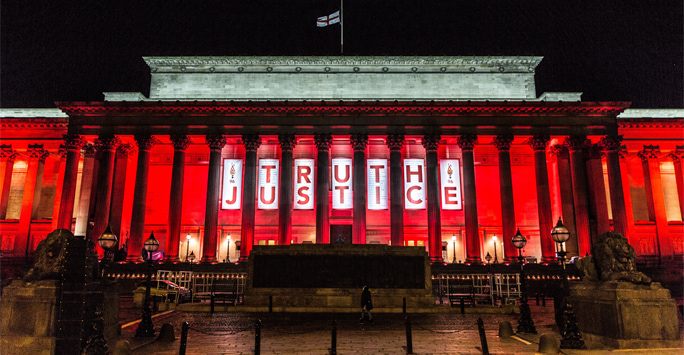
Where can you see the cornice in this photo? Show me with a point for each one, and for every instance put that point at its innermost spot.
(650, 123)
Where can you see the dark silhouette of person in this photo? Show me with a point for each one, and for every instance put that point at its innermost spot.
(366, 305)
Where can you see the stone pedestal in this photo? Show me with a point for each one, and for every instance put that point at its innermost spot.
(624, 315)
(29, 317)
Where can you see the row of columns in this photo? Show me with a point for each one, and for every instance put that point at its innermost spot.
(103, 171)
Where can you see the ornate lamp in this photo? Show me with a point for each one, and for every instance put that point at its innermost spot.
(107, 240)
(525, 323)
(496, 258)
(453, 240)
(146, 328)
(560, 235)
(488, 258)
(191, 257)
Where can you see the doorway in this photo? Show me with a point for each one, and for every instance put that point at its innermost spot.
(344, 231)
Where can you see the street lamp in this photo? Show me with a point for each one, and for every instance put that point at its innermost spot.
(453, 240)
(525, 323)
(571, 337)
(496, 258)
(228, 249)
(146, 328)
(488, 258)
(191, 257)
(106, 241)
(187, 247)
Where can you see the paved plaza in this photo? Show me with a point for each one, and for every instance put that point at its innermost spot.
(311, 333)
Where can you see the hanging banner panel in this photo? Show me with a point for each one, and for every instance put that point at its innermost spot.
(450, 179)
(304, 184)
(268, 184)
(342, 183)
(414, 184)
(376, 182)
(231, 196)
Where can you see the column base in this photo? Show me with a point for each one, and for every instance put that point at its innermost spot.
(549, 260)
(473, 260)
(436, 260)
(208, 260)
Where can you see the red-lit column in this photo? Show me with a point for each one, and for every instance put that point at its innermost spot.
(431, 143)
(145, 143)
(323, 142)
(106, 145)
(287, 144)
(676, 157)
(359, 142)
(180, 143)
(59, 187)
(7, 156)
(655, 198)
(538, 144)
(627, 193)
(123, 151)
(395, 142)
(32, 186)
(87, 175)
(216, 142)
(611, 147)
(598, 204)
(579, 192)
(467, 142)
(251, 143)
(503, 145)
(560, 151)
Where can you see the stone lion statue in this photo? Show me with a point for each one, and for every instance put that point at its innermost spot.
(49, 256)
(613, 259)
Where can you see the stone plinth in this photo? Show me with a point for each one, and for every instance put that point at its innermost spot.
(624, 315)
(29, 317)
(331, 276)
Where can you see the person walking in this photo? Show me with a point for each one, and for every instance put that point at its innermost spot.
(366, 305)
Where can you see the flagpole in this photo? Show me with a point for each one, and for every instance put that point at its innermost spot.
(341, 26)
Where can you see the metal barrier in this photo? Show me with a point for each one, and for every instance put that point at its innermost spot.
(478, 287)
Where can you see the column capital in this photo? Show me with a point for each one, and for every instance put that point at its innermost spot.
(251, 142)
(539, 141)
(145, 141)
(395, 141)
(37, 151)
(180, 141)
(431, 141)
(622, 152)
(677, 154)
(649, 152)
(323, 141)
(592, 150)
(611, 142)
(216, 141)
(124, 150)
(287, 141)
(89, 150)
(359, 141)
(503, 142)
(62, 151)
(7, 154)
(575, 142)
(108, 142)
(560, 151)
(467, 141)
(73, 141)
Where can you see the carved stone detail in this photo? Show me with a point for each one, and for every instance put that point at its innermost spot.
(37, 151)
(560, 151)
(359, 141)
(73, 141)
(89, 150)
(611, 142)
(649, 152)
(125, 150)
(145, 141)
(431, 141)
(575, 142)
(251, 142)
(395, 141)
(539, 141)
(287, 141)
(216, 141)
(107, 142)
(503, 141)
(7, 154)
(467, 141)
(180, 141)
(323, 141)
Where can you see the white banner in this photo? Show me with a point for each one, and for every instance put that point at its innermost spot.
(268, 184)
(231, 197)
(342, 183)
(304, 184)
(450, 179)
(376, 183)
(414, 184)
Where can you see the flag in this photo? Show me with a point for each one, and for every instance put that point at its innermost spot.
(328, 20)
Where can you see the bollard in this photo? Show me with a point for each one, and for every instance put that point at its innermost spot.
(184, 338)
(404, 308)
(257, 337)
(409, 340)
(462, 306)
(270, 304)
(483, 337)
(333, 345)
(211, 302)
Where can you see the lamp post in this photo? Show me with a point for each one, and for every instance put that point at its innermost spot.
(228, 249)
(187, 247)
(571, 337)
(453, 241)
(525, 323)
(146, 328)
(106, 241)
(488, 258)
(496, 258)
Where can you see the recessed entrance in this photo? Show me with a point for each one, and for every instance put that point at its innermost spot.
(343, 231)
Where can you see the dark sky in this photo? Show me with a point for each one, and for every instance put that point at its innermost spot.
(622, 50)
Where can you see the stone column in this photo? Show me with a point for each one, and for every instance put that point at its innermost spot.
(472, 232)
(323, 142)
(87, 175)
(598, 204)
(560, 151)
(503, 145)
(395, 142)
(627, 193)
(287, 144)
(579, 192)
(31, 198)
(618, 206)
(655, 198)
(180, 143)
(431, 143)
(676, 157)
(145, 143)
(106, 145)
(359, 142)
(123, 152)
(538, 143)
(7, 156)
(59, 187)
(216, 142)
(251, 143)
(74, 143)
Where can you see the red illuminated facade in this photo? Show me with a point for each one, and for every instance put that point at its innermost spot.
(149, 165)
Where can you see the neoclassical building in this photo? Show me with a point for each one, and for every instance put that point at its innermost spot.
(451, 153)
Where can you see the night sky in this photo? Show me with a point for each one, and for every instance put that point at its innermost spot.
(622, 50)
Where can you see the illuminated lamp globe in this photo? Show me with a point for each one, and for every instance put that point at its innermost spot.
(519, 241)
(559, 233)
(488, 257)
(151, 244)
(108, 239)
